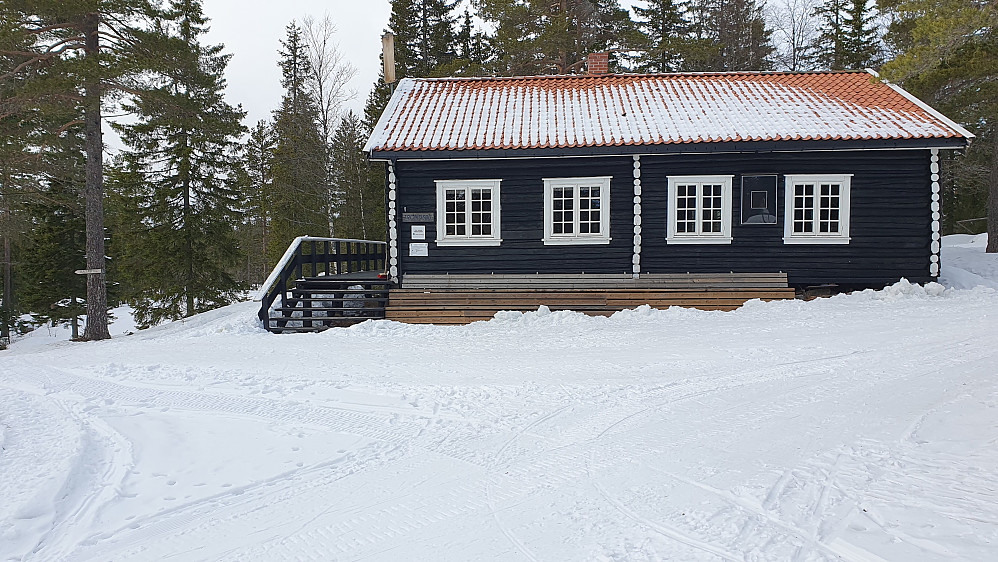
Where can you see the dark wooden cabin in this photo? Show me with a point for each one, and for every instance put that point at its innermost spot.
(630, 184)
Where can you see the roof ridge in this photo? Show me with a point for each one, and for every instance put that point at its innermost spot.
(636, 75)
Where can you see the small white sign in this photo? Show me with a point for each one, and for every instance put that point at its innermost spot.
(419, 249)
(419, 232)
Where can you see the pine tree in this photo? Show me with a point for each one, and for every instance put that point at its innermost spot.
(180, 158)
(949, 57)
(299, 195)
(664, 29)
(88, 50)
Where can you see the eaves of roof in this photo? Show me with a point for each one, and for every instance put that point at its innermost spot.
(948, 143)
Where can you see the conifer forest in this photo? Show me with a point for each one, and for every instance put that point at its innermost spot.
(197, 205)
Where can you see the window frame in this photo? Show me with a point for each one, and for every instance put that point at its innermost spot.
(603, 237)
(845, 205)
(722, 237)
(443, 239)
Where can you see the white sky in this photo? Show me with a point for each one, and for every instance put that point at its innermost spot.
(251, 31)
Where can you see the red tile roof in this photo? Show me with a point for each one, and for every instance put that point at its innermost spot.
(608, 110)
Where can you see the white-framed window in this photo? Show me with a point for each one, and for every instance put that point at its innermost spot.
(699, 210)
(468, 213)
(816, 209)
(577, 210)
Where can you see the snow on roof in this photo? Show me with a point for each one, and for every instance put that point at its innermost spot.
(607, 110)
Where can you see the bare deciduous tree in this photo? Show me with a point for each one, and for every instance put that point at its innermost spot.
(331, 73)
(330, 76)
(796, 32)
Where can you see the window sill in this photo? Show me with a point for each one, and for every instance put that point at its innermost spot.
(469, 242)
(699, 240)
(817, 240)
(574, 241)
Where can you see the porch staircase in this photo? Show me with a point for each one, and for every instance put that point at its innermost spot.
(317, 303)
(322, 283)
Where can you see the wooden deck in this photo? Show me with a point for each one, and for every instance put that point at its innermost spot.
(461, 299)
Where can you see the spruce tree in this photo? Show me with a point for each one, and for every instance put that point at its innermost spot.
(361, 211)
(424, 36)
(832, 45)
(299, 198)
(471, 51)
(55, 248)
(256, 177)
(180, 158)
(664, 32)
(862, 37)
(434, 35)
(728, 35)
(556, 37)
(16, 178)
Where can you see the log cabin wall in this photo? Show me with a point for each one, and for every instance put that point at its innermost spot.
(890, 217)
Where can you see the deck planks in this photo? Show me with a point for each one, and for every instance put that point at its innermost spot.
(461, 299)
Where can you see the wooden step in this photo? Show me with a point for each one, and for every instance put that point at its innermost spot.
(337, 322)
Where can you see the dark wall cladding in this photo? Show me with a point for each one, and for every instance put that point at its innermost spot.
(890, 220)
(522, 216)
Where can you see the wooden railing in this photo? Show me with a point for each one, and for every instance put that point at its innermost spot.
(309, 256)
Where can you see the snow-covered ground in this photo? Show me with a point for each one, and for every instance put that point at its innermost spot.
(120, 323)
(861, 428)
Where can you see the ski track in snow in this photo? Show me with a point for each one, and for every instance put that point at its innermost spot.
(854, 429)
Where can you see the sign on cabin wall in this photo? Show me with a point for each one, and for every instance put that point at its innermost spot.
(759, 199)
(419, 232)
(418, 249)
(417, 217)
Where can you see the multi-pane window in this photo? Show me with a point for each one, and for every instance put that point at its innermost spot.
(455, 212)
(817, 210)
(563, 217)
(467, 212)
(576, 210)
(699, 210)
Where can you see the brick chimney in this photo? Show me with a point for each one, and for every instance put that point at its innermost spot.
(598, 63)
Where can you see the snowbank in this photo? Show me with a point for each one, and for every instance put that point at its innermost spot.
(859, 427)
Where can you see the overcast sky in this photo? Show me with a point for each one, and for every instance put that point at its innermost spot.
(251, 31)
